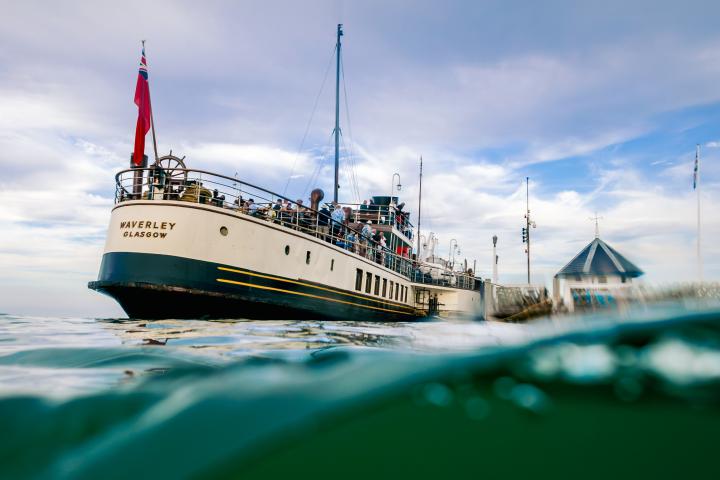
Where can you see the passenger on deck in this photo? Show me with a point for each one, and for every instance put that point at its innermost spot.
(158, 184)
(338, 219)
(252, 208)
(375, 243)
(300, 214)
(341, 242)
(275, 211)
(218, 200)
(352, 241)
(323, 221)
(285, 212)
(367, 230)
(366, 234)
(383, 247)
(348, 215)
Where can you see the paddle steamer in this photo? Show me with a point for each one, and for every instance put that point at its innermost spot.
(186, 243)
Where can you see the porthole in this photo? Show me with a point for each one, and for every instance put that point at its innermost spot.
(223, 231)
(307, 257)
(287, 249)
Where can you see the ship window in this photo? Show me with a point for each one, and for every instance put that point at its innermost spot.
(390, 290)
(377, 284)
(307, 257)
(223, 231)
(397, 292)
(332, 264)
(368, 282)
(384, 287)
(358, 279)
(287, 249)
(406, 292)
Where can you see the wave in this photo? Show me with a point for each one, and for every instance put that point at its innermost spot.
(629, 400)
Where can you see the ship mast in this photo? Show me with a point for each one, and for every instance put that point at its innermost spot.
(337, 113)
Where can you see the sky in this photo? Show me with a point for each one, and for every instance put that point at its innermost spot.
(600, 104)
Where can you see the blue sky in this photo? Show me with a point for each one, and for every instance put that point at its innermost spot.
(599, 103)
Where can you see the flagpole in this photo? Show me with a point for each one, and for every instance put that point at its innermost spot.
(699, 223)
(152, 117)
(152, 125)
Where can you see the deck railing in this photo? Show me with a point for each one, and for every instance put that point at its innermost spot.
(382, 215)
(242, 198)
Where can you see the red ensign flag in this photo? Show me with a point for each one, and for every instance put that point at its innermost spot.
(142, 100)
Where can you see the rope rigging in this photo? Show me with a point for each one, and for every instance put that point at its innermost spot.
(351, 155)
(348, 170)
(349, 167)
(309, 123)
(323, 156)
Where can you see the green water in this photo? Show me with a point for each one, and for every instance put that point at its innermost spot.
(595, 397)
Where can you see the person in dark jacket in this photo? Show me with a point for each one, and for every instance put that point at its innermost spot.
(323, 221)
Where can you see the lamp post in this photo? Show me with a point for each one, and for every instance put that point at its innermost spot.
(451, 252)
(528, 223)
(392, 212)
(422, 247)
(393, 185)
(495, 260)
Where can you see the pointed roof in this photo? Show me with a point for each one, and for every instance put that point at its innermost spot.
(599, 258)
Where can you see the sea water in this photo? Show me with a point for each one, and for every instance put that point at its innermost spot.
(632, 396)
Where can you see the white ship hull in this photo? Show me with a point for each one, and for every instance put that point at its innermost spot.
(174, 259)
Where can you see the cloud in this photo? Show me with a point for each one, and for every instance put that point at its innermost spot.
(601, 111)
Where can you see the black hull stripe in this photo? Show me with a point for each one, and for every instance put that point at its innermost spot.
(310, 295)
(163, 286)
(305, 284)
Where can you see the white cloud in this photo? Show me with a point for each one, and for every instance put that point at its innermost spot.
(234, 96)
(247, 160)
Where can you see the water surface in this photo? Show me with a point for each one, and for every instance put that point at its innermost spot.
(591, 397)
(70, 356)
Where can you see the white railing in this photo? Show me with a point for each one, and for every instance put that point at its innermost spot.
(199, 186)
(379, 214)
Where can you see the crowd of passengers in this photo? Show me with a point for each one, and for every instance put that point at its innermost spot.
(297, 213)
(332, 223)
(347, 228)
